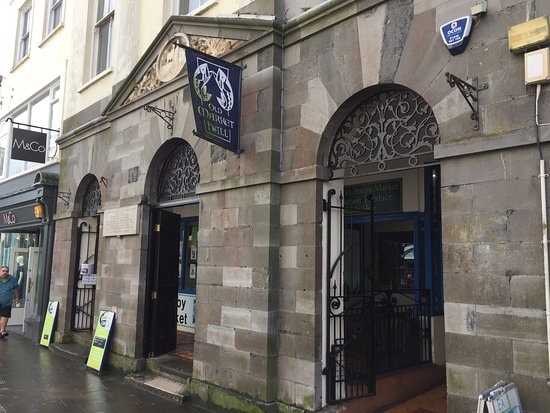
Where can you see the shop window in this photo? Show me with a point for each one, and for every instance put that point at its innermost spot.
(188, 254)
(103, 35)
(44, 111)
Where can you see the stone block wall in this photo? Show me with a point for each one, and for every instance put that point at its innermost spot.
(494, 285)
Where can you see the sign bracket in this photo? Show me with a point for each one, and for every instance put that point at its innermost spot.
(42, 128)
(65, 197)
(166, 115)
(469, 93)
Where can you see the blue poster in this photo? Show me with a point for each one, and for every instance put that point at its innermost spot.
(215, 88)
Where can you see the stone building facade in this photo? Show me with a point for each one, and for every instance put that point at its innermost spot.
(346, 98)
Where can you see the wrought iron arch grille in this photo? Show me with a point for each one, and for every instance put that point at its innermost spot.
(179, 175)
(92, 199)
(391, 130)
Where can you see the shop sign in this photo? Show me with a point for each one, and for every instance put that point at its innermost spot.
(186, 310)
(17, 216)
(28, 145)
(456, 34)
(101, 340)
(387, 195)
(49, 322)
(215, 87)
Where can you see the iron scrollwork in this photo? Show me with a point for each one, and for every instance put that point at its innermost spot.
(92, 199)
(391, 125)
(180, 174)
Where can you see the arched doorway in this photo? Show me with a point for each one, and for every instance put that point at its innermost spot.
(87, 240)
(173, 250)
(383, 277)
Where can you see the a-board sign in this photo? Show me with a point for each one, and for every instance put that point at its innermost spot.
(49, 322)
(101, 340)
(503, 397)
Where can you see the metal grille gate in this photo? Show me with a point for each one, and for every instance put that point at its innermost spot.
(82, 316)
(368, 331)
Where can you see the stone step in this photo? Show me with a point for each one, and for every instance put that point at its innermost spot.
(160, 385)
(73, 350)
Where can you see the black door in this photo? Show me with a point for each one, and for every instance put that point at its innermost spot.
(164, 282)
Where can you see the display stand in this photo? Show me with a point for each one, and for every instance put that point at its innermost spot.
(101, 340)
(503, 397)
(49, 323)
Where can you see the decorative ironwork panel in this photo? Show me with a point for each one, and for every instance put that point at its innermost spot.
(92, 199)
(179, 175)
(390, 126)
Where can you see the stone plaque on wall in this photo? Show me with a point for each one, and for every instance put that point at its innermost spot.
(121, 221)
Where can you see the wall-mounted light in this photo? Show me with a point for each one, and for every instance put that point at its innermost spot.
(38, 211)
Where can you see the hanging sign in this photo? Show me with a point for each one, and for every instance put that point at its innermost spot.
(102, 338)
(456, 34)
(215, 87)
(28, 145)
(49, 322)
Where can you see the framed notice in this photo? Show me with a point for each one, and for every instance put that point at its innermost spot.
(101, 340)
(49, 323)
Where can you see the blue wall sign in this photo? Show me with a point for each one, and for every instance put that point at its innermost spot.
(456, 34)
(215, 87)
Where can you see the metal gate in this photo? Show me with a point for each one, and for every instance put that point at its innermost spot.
(82, 316)
(84, 289)
(368, 331)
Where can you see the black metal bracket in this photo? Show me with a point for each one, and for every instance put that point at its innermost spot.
(470, 94)
(166, 115)
(65, 197)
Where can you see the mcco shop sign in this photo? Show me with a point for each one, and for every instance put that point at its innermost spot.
(28, 145)
(18, 216)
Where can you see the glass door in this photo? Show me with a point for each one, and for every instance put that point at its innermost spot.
(29, 297)
(19, 261)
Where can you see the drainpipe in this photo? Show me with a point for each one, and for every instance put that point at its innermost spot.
(543, 176)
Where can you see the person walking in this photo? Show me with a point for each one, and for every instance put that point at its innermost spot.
(9, 288)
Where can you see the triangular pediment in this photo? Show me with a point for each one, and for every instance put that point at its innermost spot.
(163, 62)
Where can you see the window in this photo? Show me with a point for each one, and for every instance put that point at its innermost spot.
(54, 14)
(103, 34)
(24, 32)
(188, 6)
(43, 111)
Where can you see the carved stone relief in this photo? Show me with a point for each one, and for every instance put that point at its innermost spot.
(213, 46)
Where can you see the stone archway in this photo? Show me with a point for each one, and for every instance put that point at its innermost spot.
(383, 137)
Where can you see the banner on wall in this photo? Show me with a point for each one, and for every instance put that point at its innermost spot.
(101, 340)
(215, 87)
(49, 323)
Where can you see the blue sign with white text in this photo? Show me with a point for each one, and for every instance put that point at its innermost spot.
(215, 87)
(456, 34)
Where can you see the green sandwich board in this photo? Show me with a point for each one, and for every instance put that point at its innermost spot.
(100, 343)
(49, 322)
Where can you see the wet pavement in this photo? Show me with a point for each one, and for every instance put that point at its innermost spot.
(35, 379)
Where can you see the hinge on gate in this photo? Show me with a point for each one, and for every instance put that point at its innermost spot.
(157, 228)
(153, 295)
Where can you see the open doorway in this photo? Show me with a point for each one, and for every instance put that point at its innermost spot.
(173, 277)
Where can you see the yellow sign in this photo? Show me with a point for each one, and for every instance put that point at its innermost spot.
(529, 35)
(100, 343)
(49, 322)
